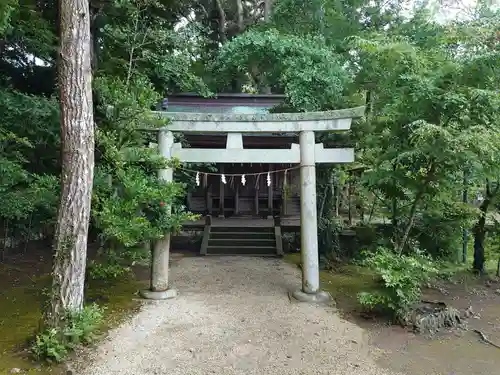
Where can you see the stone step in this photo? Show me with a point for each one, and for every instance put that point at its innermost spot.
(242, 250)
(241, 255)
(257, 242)
(249, 228)
(238, 235)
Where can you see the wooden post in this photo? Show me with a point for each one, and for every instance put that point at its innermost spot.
(278, 236)
(206, 235)
(221, 195)
(270, 194)
(256, 200)
(208, 199)
(190, 201)
(284, 194)
(237, 200)
(349, 202)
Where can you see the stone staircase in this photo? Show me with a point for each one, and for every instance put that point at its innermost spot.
(249, 241)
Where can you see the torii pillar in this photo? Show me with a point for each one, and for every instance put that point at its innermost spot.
(307, 153)
(310, 291)
(160, 260)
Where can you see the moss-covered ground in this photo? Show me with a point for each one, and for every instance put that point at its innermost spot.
(24, 281)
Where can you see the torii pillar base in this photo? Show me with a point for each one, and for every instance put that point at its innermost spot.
(320, 297)
(158, 295)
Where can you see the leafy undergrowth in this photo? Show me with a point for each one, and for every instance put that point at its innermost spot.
(22, 306)
(344, 284)
(347, 281)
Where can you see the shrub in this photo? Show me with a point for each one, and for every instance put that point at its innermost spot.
(49, 346)
(79, 328)
(401, 279)
(106, 271)
(82, 325)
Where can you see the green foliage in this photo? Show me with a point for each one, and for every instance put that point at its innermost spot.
(438, 229)
(141, 42)
(310, 73)
(49, 346)
(111, 270)
(7, 7)
(28, 195)
(428, 124)
(142, 211)
(131, 205)
(82, 325)
(111, 264)
(401, 279)
(432, 114)
(79, 328)
(335, 20)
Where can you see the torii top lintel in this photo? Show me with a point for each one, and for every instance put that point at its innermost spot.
(261, 123)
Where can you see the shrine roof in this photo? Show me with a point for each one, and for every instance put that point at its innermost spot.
(248, 114)
(221, 103)
(265, 117)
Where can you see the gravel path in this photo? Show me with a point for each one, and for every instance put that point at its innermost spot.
(233, 316)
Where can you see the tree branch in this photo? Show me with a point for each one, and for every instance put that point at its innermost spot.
(222, 21)
(132, 49)
(239, 14)
(414, 207)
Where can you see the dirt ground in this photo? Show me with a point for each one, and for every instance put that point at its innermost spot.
(233, 315)
(460, 352)
(457, 352)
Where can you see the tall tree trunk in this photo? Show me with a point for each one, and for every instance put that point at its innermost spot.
(94, 37)
(411, 220)
(268, 5)
(77, 136)
(480, 228)
(239, 16)
(479, 237)
(394, 210)
(414, 206)
(222, 21)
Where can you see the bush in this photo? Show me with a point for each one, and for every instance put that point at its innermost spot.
(112, 264)
(82, 325)
(53, 344)
(106, 271)
(401, 277)
(49, 346)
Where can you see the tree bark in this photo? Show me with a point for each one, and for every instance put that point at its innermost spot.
(480, 228)
(268, 5)
(77, 136)
(411, 220)
(222, 21)
(94, 37)
(413, 210)
(479, 237)
(239, 16)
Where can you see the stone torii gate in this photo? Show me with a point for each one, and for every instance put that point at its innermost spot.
(307, 153)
